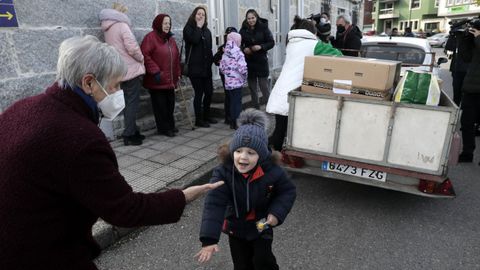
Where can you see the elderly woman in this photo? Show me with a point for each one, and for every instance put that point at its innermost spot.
(162, 62)
(58, 173)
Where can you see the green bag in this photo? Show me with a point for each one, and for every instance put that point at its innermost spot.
(418, 88)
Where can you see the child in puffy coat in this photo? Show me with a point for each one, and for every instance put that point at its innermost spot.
(234, 68)
(256, 189)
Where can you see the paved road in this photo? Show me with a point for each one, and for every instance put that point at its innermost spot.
(336, 225)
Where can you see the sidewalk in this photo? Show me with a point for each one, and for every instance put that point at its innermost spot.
(161, 163)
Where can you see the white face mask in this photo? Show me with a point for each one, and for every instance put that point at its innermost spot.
(112, 104)
(323, 21)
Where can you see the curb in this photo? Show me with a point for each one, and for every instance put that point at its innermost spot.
(106, 234)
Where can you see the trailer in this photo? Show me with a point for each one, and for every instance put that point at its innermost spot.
(396, 146)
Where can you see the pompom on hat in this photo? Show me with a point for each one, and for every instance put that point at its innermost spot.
(251, 133)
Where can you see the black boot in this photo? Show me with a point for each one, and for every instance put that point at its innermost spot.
(131, 140)
(207, 118)
(201, 123)
(465, 157)
(139, 136)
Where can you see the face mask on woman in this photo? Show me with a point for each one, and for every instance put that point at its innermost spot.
(340, 28)
(112, 104)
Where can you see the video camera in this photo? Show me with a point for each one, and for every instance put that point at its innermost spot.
(464, 25)
(315, 17)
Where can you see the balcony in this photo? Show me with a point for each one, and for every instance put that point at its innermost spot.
(388, 13)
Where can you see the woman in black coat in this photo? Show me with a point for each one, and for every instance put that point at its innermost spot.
(198, 54)
(256, 41)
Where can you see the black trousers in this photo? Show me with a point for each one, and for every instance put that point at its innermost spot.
(252, 255)
(470, 113)
(279, 133)
(457, 83)
(203, 88)
(163, 103)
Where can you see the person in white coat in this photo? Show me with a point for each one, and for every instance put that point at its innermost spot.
(302, 42)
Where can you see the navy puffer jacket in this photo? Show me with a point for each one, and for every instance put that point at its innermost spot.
(235, 207)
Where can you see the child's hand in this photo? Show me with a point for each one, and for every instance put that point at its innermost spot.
(272, 220)
(205, 254)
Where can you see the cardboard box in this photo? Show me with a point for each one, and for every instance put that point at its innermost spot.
(360, 73)
(324, 91)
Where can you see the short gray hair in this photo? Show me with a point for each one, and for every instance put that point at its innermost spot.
(78, 56)
(345, 17)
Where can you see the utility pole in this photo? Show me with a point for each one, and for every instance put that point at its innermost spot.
(410, 14)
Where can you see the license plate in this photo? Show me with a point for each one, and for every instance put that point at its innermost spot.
(355, 171)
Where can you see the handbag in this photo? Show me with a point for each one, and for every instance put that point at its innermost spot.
(184, 65)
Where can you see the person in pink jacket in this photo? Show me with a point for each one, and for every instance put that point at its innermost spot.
(116, 28)
(234, 68)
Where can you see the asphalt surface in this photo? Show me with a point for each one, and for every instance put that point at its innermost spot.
(336, 225)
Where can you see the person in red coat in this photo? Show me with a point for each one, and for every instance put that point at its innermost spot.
(162, 62)
(59, 174)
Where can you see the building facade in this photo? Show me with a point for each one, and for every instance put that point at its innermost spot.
(457, 10)
(419, 15)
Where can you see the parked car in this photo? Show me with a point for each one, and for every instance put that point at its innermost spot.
(438, 40)
(414, 53)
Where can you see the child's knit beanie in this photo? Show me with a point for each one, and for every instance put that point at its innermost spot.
(251, 133)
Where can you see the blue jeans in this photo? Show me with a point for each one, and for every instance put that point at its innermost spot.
(235, 100)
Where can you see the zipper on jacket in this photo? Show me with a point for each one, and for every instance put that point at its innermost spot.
(233, 191)
(171, 62)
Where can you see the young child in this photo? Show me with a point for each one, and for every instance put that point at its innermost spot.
(216, 60)
(234, 68)
(255, 189)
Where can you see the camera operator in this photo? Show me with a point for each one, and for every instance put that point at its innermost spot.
(458, 67)
(471, 91)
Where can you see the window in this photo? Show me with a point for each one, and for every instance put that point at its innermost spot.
(429, 27)
(401, 26)
(405, 54)
(458, 2)
(415, 25)
(340, 11)
(436, 3)
(467, 1)
(450, 2)
(414, 4)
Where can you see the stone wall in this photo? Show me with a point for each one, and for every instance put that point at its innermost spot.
(28, 54)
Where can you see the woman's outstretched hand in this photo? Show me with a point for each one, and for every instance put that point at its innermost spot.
(194, 192)
(205, 254)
